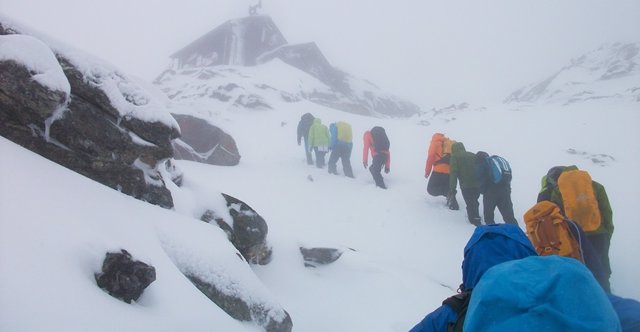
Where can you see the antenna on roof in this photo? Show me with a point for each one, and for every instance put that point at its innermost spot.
(253, 10)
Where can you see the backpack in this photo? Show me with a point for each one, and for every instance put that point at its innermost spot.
(550, 233)
(540, 293)
(446, 146)
(380, 139)
(499, 169)
(446, 150)
(459, 303)
(344, 132)
(579, 199)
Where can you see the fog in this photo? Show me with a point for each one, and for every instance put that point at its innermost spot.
(433, 53)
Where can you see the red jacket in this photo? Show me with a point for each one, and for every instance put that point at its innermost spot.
(368, 145)
(434, 154)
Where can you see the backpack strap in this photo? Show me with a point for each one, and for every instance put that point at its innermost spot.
(459, 304)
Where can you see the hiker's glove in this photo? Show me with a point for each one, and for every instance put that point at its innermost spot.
(364, 163)
(386, 170)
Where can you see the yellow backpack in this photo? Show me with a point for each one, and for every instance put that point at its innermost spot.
(549, 232)
(446, 146)
(344, 132)
(579, 200)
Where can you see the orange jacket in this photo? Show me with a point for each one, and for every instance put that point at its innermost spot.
(368, 145)
(434, 154)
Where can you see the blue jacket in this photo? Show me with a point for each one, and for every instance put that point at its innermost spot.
(628, 311)
(488, 246)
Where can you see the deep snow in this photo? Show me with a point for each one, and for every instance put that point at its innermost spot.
(403, 249)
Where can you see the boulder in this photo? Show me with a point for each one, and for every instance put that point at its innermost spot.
(243, 311)
(319, 256)
(203, 142)
(249, 232)
(107, 128)
(124, 278)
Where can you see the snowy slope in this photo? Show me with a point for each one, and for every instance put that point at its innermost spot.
(610, 72)
(402, 248)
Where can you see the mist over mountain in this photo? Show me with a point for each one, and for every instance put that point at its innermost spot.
(609, 72)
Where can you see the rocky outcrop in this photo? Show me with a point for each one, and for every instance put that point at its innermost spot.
(611, 72)
(106, 128)
(239, 309)
(203, 142)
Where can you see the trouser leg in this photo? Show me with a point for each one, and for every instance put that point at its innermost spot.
(346, 162)
(601, 243)
(471, 196)
(376, 169)
(307, 153)
(489, 203)
(505, 206)
(438, 184)
(333, 160)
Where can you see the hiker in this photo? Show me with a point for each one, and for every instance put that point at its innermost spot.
(592, 211)
(376, 141)
(540, 293)
(488, 246)
(340, 145)
(318, 141)
(437, 166)
(551, 233)
(463, 166)
(494, 178)
(303, 132)
(506, 249)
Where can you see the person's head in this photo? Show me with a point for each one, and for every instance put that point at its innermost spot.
(457, 147)
(492, 245)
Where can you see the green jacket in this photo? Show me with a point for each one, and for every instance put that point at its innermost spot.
(462, 166)
(606, 214)
(318, 134)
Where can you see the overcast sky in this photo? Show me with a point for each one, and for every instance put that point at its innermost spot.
(432, 52)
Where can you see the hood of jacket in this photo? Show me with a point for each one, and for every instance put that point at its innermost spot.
(492, 245)
(437, 137)
(317, 121)
(457, 147)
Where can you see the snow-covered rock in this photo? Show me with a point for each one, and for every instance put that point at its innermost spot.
(83, 113)
(204, 142)
(610, 72)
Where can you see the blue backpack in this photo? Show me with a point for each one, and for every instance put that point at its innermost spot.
(499, 169)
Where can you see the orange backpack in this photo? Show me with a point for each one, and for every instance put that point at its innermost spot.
(549, 232)
(579, 200)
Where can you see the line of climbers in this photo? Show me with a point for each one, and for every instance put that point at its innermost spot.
(479, 174)
(338, 139)
(572, 222)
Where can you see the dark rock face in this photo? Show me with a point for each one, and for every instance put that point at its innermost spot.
(241, 310)
(319, 256)
(84, 131)
(249, 232)
(124, 278)
(204, 143)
